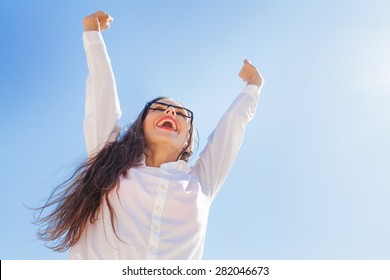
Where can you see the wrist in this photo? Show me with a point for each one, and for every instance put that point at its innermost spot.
(255, 80)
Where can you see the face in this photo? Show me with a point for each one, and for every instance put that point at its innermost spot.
(167, 127)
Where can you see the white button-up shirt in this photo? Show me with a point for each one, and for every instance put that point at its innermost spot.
(161, 213)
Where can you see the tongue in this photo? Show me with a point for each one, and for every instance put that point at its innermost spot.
(168, 125)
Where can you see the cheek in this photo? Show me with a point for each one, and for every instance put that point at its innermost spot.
(186, 133)
(147, 126)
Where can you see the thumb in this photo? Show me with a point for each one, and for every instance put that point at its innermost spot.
(247, 62)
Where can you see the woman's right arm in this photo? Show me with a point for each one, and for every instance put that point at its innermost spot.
(102, 110)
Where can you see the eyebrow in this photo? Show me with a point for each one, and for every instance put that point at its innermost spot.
(165, 103)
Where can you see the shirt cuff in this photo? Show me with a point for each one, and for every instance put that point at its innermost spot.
(92, 38)
(252, 90)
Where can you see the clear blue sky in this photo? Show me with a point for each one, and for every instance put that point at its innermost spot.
(312, 180)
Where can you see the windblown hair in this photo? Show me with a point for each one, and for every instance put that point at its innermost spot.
(77, 201)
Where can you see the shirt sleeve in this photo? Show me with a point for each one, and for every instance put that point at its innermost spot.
(102, 109)
(217, 158)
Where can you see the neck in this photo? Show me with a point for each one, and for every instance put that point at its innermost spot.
(155, 158)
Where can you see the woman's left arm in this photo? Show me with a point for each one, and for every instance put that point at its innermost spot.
(216, 160)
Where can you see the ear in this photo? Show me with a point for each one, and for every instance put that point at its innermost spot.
(186, 156)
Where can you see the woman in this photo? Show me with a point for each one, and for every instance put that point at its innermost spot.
(136, 197)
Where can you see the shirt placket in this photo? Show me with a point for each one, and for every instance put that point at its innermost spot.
(155, 227)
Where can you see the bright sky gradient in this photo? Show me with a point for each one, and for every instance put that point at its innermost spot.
(312, 180)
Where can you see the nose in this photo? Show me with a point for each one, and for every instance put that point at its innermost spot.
(171, 110)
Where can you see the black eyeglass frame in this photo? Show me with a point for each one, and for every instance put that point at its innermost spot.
(148, 104)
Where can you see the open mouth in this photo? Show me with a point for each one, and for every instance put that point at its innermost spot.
(168, 123)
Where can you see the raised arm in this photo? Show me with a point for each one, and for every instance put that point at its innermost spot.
(216, 160)
(102, 109)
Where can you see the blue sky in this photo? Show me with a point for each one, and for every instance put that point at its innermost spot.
(312, 178)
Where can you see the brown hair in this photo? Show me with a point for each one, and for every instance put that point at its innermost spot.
(78, 199)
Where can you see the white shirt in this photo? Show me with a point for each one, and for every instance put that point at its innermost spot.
(161, 213)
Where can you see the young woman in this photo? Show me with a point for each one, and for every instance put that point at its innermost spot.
(136, 197)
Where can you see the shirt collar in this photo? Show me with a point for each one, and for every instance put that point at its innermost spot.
(179, 165)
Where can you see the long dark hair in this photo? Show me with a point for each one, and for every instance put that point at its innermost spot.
(77, 201)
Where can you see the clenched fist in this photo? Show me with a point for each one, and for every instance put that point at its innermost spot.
(98, 21)
(250, 74)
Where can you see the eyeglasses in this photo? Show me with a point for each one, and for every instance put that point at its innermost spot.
(161, 106)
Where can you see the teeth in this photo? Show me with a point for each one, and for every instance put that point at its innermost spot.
(167, 120)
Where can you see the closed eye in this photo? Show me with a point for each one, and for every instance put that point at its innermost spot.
(183, 115)
(158, 108)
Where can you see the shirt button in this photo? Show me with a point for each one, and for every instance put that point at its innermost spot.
(163, 187)
(155, 227)
(158, 209)
(153, 249)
